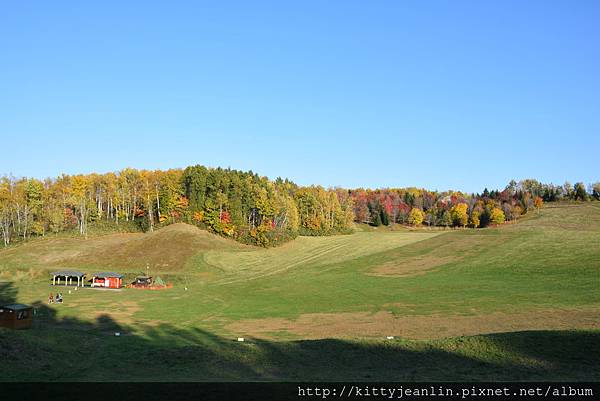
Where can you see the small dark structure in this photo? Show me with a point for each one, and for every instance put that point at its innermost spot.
(142, 282)
(16, 316)
(68, 276)
(107, 280)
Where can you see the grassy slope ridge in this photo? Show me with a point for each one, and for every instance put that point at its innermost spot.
(347, 292)
(166, 250)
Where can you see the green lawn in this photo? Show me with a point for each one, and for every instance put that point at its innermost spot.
(520, 301)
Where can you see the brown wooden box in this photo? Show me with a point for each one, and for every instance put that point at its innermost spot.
(16, 316)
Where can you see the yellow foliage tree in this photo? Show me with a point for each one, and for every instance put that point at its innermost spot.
(415, 217)
(474, 220)
(497, 216)
(459, 214)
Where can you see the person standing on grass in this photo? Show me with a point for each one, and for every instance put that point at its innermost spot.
(50, 299)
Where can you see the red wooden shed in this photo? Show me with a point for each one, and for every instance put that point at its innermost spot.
(107, 280)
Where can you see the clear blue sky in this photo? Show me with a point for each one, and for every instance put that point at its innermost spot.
(438, 94)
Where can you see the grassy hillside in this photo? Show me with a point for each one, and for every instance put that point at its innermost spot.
(167, 250)
(345, 294)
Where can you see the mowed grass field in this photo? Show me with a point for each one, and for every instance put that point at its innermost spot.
(516, 302)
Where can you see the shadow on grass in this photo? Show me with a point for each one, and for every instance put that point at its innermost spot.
(68, 349)
(8, 293)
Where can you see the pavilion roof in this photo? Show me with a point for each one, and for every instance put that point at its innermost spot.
(67, 272)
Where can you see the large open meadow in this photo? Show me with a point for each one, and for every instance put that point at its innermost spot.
(515, 302)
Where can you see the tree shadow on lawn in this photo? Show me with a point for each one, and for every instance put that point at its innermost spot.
(69, 349)
(8, 293)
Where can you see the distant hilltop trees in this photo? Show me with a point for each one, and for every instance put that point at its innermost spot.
(250, 208)
(455, 209)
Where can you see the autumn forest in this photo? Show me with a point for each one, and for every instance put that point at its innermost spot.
(250, 208)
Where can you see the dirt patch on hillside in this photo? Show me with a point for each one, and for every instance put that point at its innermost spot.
(382, 324)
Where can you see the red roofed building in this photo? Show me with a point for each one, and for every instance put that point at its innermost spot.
(107, 280)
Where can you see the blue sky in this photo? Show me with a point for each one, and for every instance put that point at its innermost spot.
(437, 94)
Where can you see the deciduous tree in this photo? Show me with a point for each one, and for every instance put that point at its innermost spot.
(497, 216)
(415, 217)
(459, 214)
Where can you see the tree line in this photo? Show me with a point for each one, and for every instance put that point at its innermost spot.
(247, 207)
(242, 205)
(415, 206)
